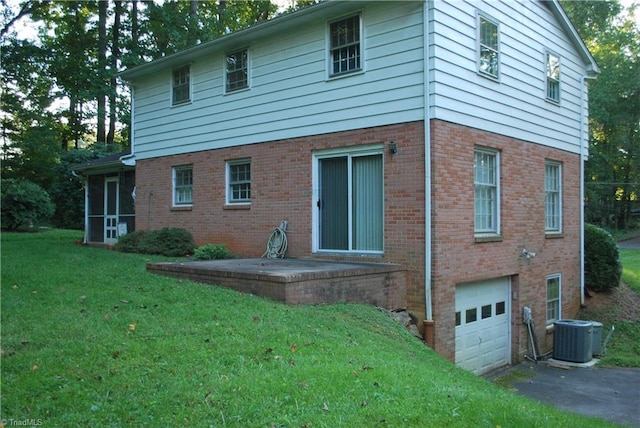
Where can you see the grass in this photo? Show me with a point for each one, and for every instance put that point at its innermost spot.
(624, 347)
(89, 338)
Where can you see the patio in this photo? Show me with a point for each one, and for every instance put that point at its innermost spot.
(299, 281)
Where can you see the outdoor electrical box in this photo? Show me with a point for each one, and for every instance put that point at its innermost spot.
(573, 340)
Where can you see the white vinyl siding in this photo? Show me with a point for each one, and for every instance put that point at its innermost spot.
(554, 288)
(553, 197)
(487, 192)
(290, 95)
(518, 106)
(183, 185)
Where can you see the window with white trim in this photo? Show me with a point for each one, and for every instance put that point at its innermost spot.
(349, 201)
(237, 70)
(181, 85)
(345, 49)
(553, 77)
(552, 197)
(488, 47)
(487, 191)
(239, 181)
(553, 298)
(183, 185)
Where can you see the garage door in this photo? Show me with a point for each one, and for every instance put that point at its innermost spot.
(482, 325)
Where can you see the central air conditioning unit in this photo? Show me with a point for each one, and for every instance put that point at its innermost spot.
(573, 340)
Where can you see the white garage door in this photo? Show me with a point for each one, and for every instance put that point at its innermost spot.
(482, 325)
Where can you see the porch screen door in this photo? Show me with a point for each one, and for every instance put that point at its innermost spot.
(351, 203)
(111, 210)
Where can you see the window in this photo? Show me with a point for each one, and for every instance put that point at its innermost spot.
(182, 185)
(239, 181)
(237, 75)
(486, 202)
(181, 85)
(488, 47)
(552, 197)
(553, 298)
(349, 201)
(344, 46)
(553, 77)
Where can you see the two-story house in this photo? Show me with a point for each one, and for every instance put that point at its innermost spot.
(448, 137)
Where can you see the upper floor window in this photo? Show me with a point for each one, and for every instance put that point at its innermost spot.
(239, 181)
(553, 77)
(487, 192)
(488, 47)
(344, 46)
(181, 85)
(183, 185)
(237, 73)
(552, 197)
(553, 298)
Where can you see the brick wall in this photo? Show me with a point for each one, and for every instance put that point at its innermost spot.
(282, 190)
(457, 258)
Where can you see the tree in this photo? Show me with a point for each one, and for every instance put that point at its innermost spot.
(613, 169)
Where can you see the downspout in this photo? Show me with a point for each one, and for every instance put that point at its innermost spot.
(130, 159)
(428, 323)
(583, 141)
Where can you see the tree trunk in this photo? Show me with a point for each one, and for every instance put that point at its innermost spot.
(115, 57)
(102, 66)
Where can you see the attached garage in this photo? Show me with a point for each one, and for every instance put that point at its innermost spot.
(483, 334)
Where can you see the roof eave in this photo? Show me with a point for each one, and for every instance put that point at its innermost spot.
(234, 39)
(591, 66)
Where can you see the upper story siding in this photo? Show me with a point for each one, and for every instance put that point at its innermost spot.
(515, 104)
(290, 94)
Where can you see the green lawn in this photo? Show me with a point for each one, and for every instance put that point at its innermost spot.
(89, 338)
(631, 267)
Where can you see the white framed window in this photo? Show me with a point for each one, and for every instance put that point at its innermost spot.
(239, 181)
(488, 47)
(183, 185)
(237, 70)
(552, 197)
(486, 172)
(348, 214)
(345, 46)
(553, 76)
(554, 293)
(181, 85)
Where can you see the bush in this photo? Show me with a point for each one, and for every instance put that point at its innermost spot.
(169, 241)
(212, 252)
(130, 243)
(24, 203)
(602, 268)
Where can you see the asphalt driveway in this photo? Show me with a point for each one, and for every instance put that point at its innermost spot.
(612, 394)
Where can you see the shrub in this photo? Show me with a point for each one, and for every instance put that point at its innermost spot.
(130, 243)
(602, 268)
(212, 252)
(23, 204)
(169, 241)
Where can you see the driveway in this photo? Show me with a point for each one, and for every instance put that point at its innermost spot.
(612, 394)
(630, 243)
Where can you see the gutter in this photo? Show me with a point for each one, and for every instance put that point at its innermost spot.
(428, 323)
